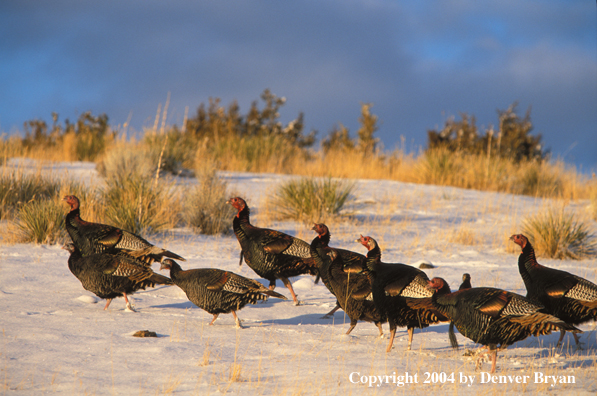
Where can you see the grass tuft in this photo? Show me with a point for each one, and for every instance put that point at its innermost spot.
(127, 160)
(560, 234)
(206, 208)
(311, 199)
(140, 205)
(17, 189)
(41, 222)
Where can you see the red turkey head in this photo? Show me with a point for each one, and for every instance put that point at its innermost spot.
(436, 284)
(72, 201)
(320, 229)
(367, 241)
(519, 239)
(238, 203)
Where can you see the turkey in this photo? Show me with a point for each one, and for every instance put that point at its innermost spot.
(491, 316)
(569, 297)
(356, 262)
(392, 284)
(271, 254)
(349, 284)
(466, 284)
(217, 291)
(94, 238)
(112, 275)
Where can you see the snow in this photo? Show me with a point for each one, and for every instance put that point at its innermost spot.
(57, 339)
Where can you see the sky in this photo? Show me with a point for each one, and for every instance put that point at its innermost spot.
(417, 62)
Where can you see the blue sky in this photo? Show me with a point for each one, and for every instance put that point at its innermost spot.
(418, 62)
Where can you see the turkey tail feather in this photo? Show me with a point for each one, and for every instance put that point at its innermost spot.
(272, 293)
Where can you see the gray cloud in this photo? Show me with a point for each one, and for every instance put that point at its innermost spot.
(418, 62)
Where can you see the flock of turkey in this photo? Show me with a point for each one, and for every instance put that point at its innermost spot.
(111, 262)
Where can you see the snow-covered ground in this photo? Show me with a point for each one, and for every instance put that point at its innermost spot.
(56, 338)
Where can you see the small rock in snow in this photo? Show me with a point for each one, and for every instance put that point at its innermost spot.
(424, 264)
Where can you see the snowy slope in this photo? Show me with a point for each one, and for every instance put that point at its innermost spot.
(57, 340)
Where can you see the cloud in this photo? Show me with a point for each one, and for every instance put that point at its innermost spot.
(417, 61)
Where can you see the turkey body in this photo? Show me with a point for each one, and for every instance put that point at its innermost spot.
(352, 261)
(109, 276)
(349, 284)
(95, 238)
(271, 254)
(491, 316)
(217, 291)
(392, 284)
(569, 297)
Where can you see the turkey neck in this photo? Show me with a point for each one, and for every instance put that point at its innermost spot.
(241, 224)
(72, 222)
(318, 252)
(324, 239)
(527, 263)
(174, 271)
(374, 259)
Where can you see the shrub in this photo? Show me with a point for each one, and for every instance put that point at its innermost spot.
(16, 189)
(140, 205)
(127, 160)
(559, 234)
(535, 179)
(41, 221)
(513, 139)
(173, 150)
(205, 205)
(86, 139)
(439, 166)
(310, 199)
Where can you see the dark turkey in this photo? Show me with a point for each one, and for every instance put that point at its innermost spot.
(569, 297)
(347, 282)
(271, 254)
(491, 316)
(392, 285)
(112, 275)
(466, 284)
(94, 238)
(354, 261)
(217, 291)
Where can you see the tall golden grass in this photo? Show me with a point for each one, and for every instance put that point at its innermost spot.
(275, 154)
(557, 233)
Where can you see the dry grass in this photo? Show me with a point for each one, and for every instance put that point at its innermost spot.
(41, 222)
(558, 233)
(463, 235)
(274, 154)
(205, 204)
(18, 188)
(311, 200)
